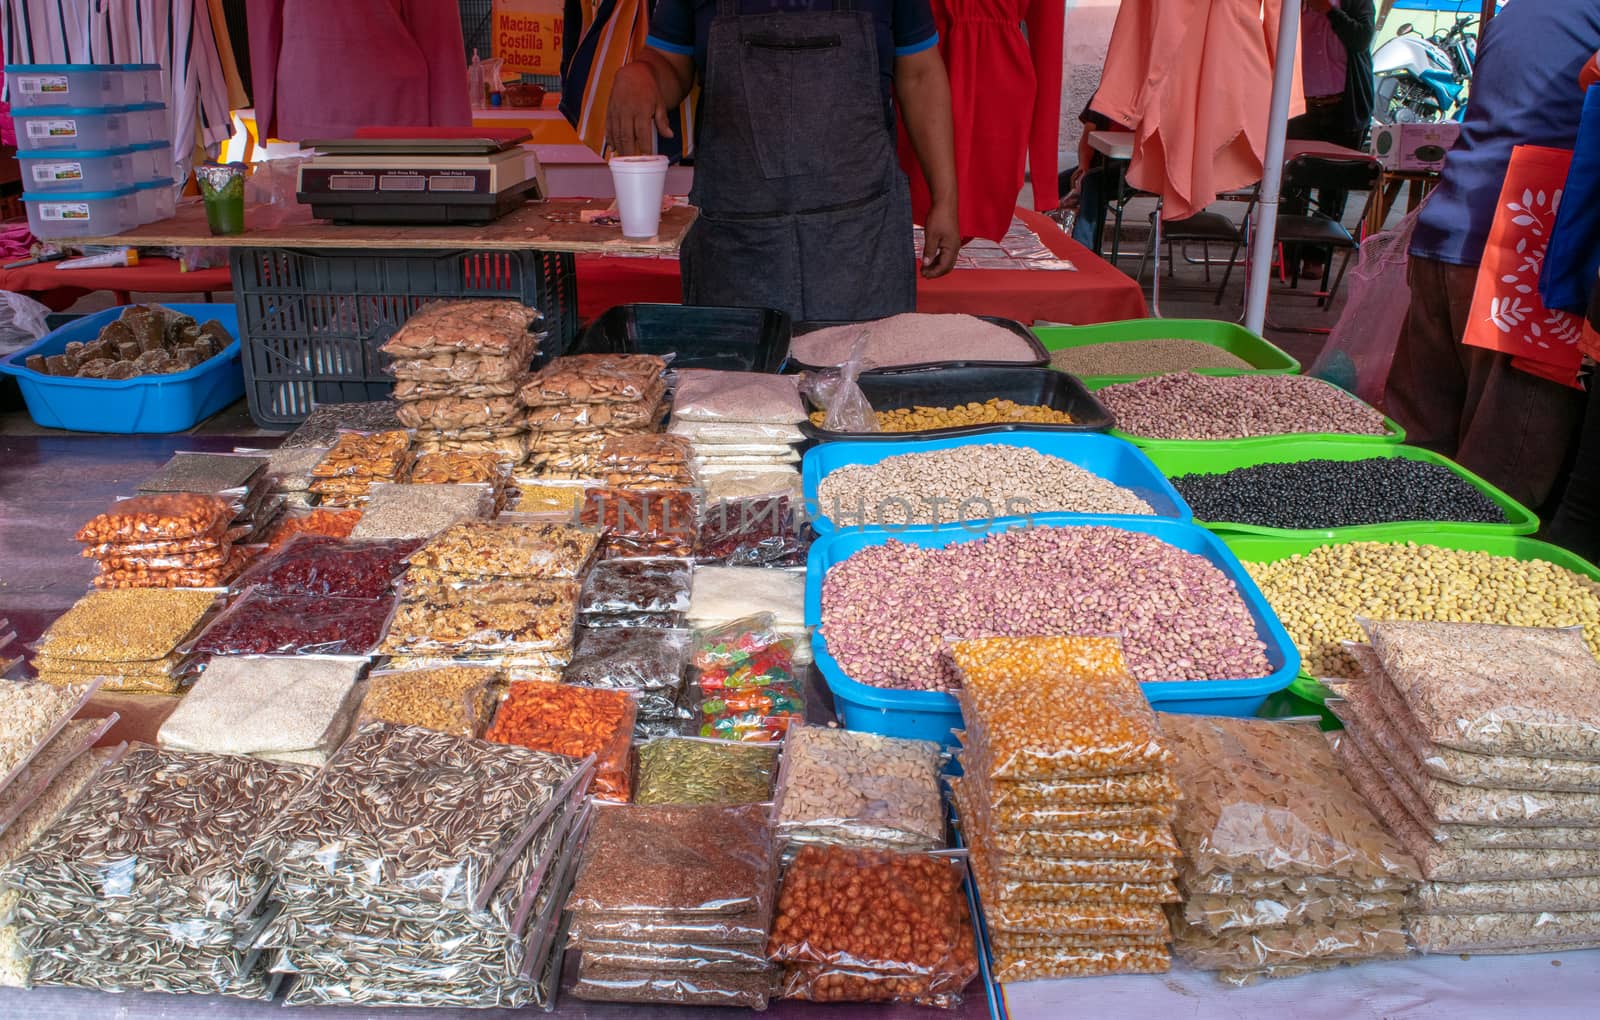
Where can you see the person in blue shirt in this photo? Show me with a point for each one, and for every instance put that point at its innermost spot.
(1469, 403)
(803, 205)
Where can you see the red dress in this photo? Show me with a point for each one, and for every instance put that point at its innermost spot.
(1005, 92)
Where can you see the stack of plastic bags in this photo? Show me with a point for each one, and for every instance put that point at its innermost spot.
(578, 402)
(722, 595)
(673, 903)
(1286, 869)
(129, 639)
(424, 869)
(356, 462)
(30, 803)
(1065, 804)
(458, 367)
(241, 479)
(745, 431)
(500, 592)
(1479, 745)
(167, 540)
(739, 422)
(288, 473)
(144, 884)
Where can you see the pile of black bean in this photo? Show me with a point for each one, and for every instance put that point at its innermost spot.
(1315, 494)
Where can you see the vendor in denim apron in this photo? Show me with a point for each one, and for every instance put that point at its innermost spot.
(803, 206)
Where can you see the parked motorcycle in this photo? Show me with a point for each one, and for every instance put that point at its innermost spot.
(1421, 80)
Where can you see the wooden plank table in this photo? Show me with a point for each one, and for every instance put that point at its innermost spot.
(538, 226)
(316, 299)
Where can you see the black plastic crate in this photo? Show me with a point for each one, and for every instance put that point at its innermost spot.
(949, 387)
(732, 339)
(1041, 357)
(312, 321)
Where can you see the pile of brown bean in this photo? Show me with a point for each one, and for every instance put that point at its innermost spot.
(1143, 357)
(1183, 405)
(968, 483)
(888, 611)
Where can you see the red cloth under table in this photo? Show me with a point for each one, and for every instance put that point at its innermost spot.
(58, 288)
(1096, 292)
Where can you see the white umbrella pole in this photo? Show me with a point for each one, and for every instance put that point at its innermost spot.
(1255, 301)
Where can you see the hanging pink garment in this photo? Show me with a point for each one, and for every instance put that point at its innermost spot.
(1195, 78)
(322, 68)
(1005, 93)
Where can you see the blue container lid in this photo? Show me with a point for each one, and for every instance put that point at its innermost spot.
(58, 68)
(147, 146)
(84, 111)
(53, 154)
(157, 182)
(80, 196)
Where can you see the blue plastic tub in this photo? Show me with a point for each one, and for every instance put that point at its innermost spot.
(1113, 459)
(931, 715)
(151, 403)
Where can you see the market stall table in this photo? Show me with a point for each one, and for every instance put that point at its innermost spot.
(1092, 291)
(316, 298)
(58, 288)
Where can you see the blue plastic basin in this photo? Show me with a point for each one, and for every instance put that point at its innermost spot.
(931, 715)
(1115, 460)
(149, 403)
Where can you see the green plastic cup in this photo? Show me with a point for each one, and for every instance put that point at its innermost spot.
(222, 188)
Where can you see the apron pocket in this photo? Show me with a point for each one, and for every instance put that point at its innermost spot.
(803, 129)
(741, 262)
(858, 262)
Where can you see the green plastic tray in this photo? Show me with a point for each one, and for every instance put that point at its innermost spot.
(1219, 457)
(1265, 358)
(1261, 549)
(1394, 433)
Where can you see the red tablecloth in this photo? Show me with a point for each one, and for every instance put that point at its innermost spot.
(1096, 292)
(58, 287)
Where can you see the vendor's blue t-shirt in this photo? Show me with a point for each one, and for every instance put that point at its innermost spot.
(904, 27)
(1525, 92)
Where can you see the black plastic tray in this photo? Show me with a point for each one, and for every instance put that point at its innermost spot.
(1041, 356)
(731, 339)
(948, 387)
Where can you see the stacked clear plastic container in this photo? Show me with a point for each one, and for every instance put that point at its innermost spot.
(94, 146)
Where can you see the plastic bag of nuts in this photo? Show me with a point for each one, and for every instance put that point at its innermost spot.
(1011, 703)
(259, 624)
(870, 925)
(451, 699)
(1371, 937)
(689, 770)
(159, 517)
(498, 618)
(860, 789)
(1078, 961)
(574, 721)
(510, 548)
(141, 576)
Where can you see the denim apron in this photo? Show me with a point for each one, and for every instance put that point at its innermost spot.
(803, 206)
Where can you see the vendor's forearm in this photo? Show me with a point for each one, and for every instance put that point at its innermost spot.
(674, 77)
(923, 91)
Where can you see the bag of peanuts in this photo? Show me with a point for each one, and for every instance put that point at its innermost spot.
(160, 517)
(454, 699)
(841, 923)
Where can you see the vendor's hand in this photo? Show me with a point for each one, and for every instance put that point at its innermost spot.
(941, 241)
(635, 107)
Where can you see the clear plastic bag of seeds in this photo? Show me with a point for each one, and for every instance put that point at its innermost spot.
(454, 699)
(1079, 961)
(603, 984)
(1371, 937)
(690, 770)
(860, 789)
